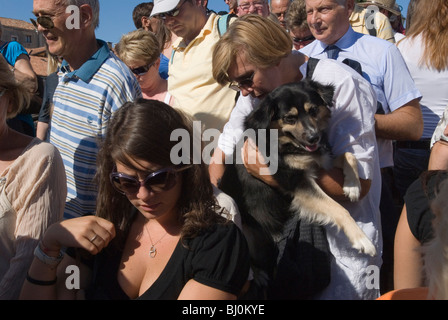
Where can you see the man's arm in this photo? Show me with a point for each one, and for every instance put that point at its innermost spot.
(405, 123)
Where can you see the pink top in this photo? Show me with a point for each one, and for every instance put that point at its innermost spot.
(32, 197)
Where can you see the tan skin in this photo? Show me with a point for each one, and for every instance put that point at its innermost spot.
(286, 71)
(279, 8)
(439, 156)
(262, 11)
(329, 21)
(408, 262)
(157, 223)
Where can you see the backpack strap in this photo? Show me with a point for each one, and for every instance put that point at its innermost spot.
(312, 63)
(223, 23)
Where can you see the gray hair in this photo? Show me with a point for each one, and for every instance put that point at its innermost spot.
(94, 4)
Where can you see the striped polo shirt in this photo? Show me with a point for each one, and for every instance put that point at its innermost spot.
(84, 101)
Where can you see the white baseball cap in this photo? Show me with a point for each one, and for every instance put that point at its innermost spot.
(161, 6)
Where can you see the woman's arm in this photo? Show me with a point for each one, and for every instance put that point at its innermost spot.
(47, 279)
(408, 265)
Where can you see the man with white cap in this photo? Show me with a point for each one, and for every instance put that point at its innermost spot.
(190, 78)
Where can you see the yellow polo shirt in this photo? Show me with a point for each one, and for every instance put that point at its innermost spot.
(191, 81)
(383, 28)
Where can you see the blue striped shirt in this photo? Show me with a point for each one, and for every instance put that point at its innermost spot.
(84, 101)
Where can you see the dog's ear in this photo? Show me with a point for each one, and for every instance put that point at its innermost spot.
(326, 92)
(261, 116)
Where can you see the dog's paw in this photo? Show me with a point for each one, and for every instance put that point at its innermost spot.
(364, 245)
(352, 192)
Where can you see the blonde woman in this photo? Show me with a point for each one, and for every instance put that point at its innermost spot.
(140, 51)
(32, 188)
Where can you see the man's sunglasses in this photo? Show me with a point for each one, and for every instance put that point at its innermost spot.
(158, 181)
(243, 84)
(173, 13)
(140, 71)
(306, 39)
(45, 21)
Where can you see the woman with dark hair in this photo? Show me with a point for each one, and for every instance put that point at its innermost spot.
(158, 232)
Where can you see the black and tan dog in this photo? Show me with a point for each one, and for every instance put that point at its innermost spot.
(301, 112)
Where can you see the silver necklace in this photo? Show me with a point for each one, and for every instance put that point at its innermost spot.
(153, 249)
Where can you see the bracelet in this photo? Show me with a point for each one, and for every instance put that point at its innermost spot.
(50, 261)
(40, 282)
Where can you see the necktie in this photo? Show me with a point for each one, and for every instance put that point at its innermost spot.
(332, 52)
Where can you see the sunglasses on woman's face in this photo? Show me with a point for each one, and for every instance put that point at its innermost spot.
(45, 21)
(141, 71)
(158, 181)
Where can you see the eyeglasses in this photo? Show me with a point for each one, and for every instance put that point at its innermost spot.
(45, 21)
(158, 181)
(141, 71)
(246, 6)
(306, 39)
(173, 13)
(243, 84)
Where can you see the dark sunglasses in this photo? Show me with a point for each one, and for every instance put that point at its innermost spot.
(306, 39)
(173, 13)
(45, 21)
(158, 181)
(140, 71)
(243, 84)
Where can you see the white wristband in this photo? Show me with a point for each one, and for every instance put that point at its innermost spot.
(50, 261)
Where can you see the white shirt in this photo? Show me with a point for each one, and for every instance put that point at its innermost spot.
(351, 129)
(432, 84)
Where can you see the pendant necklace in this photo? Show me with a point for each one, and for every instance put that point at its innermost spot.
(153, 249)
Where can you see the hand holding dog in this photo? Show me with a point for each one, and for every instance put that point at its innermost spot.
(255, 163)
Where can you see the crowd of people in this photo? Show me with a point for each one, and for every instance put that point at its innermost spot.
(101, 184)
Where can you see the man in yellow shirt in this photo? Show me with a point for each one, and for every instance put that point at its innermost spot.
(190, 78)
(380, 23)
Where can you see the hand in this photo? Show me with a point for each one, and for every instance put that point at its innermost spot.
(90, 233)
(255, 163)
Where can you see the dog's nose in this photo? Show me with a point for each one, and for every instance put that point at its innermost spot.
(312, 137)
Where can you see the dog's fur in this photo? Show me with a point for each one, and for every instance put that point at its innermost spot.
(300, 111)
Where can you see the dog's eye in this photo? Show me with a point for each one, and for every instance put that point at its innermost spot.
(289, 119)
(313, 111)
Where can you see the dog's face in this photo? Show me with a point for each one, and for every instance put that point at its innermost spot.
(300, 111)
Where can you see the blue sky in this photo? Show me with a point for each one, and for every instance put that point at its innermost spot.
(116, 15)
